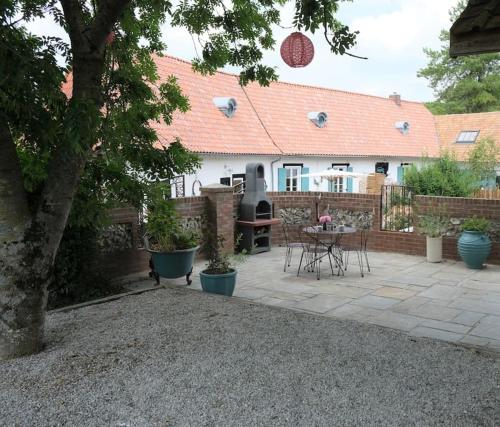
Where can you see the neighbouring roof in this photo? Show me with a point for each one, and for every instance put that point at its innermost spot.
(274, 119)
(477, 30)
(450, 126)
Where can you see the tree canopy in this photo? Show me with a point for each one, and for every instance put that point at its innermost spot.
(62, 156)
(466, 84)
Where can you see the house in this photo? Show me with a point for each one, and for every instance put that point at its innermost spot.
(293, 130)
(459, 132)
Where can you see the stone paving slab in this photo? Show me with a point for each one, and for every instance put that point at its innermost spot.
(444, 301)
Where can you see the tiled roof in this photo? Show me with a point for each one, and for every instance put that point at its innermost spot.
(204, 129)
(449, 127)
(358, 125)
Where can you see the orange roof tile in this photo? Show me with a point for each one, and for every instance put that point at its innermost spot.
(449, 127)
(205, 129)
(358, 125)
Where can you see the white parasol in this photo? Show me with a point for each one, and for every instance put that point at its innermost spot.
(332, 173)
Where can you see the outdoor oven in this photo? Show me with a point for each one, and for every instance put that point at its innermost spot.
(256, 218)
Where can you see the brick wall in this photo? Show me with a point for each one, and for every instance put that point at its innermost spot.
(128, 261)
(460, 207)
(389, 241)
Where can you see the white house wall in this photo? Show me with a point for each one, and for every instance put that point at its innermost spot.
(215, 167)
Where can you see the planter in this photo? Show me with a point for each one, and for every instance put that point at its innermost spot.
(474, 247)
(222, 284)
(434, 249)
(172, 265)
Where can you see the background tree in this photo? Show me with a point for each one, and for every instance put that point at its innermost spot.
(466, 84)
(101, 136)
(483, 159)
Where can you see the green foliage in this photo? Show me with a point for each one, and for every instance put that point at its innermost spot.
(442, 177)
(466, 84)
(74, 277)
(163, 228)
(218, 262)
(483, 159)
(433, 225)
(481, 225)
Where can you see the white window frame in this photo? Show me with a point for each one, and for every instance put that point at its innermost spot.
(467, 137)
(293, 172)
(339, 184)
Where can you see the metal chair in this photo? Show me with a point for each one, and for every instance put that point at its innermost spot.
(313, 252)
(360, 250)
(290, 245)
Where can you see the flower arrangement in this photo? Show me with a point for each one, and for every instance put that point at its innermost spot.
(325, 219)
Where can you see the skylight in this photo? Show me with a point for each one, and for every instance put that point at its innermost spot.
(467, 137)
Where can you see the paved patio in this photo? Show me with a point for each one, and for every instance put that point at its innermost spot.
(446, 301)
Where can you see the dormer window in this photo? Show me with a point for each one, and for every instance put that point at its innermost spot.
(403, 127)
(318, 118)
(467, 137)
(226, 105)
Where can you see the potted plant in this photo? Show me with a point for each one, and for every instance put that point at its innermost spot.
(434, 227)
(171, 246)
(474, 245)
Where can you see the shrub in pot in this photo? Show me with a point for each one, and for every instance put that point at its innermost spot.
(171, 246)
(220, 275)
(434, 227)
(474, 245)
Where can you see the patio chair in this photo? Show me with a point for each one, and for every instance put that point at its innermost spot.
(290, 245)
(360, 250)
(312, 252)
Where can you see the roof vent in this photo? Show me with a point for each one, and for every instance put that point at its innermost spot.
(318, 118)
(403, 127)
(226, 105)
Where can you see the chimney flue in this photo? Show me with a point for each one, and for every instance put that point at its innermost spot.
(396, 97)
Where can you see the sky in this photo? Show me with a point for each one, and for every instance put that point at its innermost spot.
(392, 35)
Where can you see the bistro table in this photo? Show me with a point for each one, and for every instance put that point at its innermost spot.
(328, 239)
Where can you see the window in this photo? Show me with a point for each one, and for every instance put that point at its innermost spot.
(467, 137)
(225, 181)
(382, 167)
(338, 185)
(239, 180)
(292, 181)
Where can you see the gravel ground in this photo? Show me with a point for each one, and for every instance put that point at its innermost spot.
(184, 358)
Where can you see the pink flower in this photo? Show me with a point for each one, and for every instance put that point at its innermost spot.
(325, 219)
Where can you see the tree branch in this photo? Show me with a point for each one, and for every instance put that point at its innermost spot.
(74, 21)
(108, 14)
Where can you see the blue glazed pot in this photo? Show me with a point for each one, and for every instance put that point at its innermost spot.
(222, 284)
(474, 247)
(174, 264)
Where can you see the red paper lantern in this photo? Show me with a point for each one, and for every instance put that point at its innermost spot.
(297, 50)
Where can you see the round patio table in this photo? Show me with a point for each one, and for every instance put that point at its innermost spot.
(330, 240)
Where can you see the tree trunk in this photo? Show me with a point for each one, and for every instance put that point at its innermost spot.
(21, 316)
(30, 244)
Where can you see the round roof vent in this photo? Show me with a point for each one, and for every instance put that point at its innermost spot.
(318, 118)
(226, 105)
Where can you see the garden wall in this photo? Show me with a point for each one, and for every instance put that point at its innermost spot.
(126, 256)
(121, 251)
(304, 207)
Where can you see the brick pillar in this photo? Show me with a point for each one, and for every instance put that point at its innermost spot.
(220, 204)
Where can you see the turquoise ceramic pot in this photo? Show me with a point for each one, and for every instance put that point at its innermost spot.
(174, 264)
(222, 284)
(474, 247)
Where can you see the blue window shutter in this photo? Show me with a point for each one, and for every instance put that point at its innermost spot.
(349, 181)
(401, 174)
(304, 181)
(281, 179)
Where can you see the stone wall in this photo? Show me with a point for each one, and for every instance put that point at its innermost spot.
(298, 208)
(121, 245)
